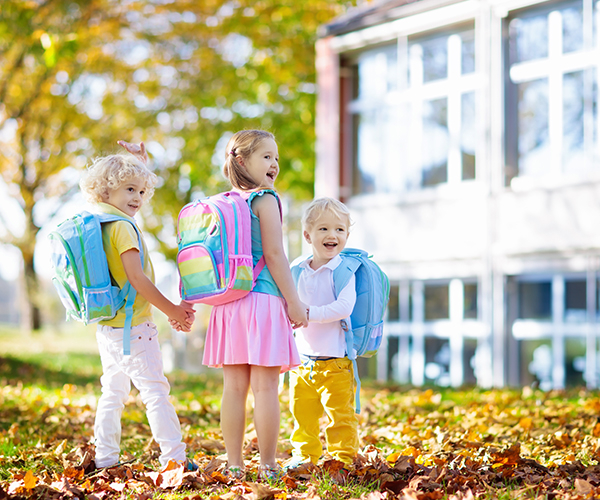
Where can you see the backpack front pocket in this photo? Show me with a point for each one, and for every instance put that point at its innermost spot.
(198, 272)
(100, 304)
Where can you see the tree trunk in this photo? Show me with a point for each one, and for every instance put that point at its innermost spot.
(32, 314)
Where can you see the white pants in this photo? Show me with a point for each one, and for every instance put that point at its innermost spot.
(145, 369)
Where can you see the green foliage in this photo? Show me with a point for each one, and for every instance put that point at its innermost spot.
(77, 75)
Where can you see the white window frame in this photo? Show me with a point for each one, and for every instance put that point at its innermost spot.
(554, 67)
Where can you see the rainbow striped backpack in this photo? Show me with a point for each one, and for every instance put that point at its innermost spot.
(214, 256)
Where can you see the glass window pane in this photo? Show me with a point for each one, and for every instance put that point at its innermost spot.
(436, 302)
(528, 38)
(368, 152)
(435, 58)
(573, 122)
(536, 363)
(468, 52)
(376, 156)
(436, 142)
(575, 301)
(377, 73)
(470, 301)
(535, 300)
(575, 362)
(468, 135)
(534, 147)
(572, 21)
(437, 361)
(394, 304)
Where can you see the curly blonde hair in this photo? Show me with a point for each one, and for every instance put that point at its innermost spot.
(241, 145)
(109, 172)
(317, 207)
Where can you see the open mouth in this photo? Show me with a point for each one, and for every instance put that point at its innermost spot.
(271, 175)
(330, 245)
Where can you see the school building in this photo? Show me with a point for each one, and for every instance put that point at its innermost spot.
(464, 137)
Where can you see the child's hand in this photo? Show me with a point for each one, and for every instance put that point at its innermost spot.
(182, 317)
(175, 325)
(297, 313)
(137, 150)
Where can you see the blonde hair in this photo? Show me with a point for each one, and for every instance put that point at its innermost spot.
(242, 145)
(110, 172)
(319, 206)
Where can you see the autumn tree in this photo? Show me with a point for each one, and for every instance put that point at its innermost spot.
(76, 75)
(63, 97)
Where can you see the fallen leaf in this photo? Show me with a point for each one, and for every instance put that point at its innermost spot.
(29, 481)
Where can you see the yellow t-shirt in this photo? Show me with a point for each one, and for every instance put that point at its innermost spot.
(118, 237)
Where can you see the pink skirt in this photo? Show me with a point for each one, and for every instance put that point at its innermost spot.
(254, 330)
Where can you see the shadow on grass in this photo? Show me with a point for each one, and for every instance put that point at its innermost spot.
(50, 371)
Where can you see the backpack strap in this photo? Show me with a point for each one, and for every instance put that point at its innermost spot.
(127, 291)
(249, 196)
(341, 277)
(296, 271)
(343, 272)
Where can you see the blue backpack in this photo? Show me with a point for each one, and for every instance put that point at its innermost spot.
(364, 330)
(81, 275)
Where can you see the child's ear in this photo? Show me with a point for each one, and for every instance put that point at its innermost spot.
(307, 237)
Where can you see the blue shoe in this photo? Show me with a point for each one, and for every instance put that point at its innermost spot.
(190, 466)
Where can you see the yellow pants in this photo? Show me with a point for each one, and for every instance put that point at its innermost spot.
(328, 386)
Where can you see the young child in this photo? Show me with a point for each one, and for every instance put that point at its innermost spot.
(120, 184)
(325, 381)
(252, 338)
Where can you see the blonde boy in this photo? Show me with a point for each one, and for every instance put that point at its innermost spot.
(120, 184)
(325, 381)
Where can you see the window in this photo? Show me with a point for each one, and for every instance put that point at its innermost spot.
(535, 300)
(414, 122)
(470, 301)
(437, 300)
(552, 113)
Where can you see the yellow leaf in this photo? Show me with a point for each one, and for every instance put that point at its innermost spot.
(29, 480)
(526, 423)
(411, 450)
(393, 457)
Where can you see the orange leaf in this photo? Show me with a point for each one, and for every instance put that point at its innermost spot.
(411, 451)
(29, 480)
(526, 423)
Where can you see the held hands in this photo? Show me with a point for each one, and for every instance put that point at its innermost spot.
(137, 150)
(183, 320)
(298, 314)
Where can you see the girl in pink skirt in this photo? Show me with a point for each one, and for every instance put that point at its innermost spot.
(252, 337)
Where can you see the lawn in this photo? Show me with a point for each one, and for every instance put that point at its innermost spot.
(426, 443)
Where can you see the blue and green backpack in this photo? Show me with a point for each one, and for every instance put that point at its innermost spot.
(81, 275)
(364, 328)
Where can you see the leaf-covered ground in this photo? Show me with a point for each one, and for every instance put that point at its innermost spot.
(416, 444)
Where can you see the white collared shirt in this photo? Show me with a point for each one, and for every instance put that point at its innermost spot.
(324, 335)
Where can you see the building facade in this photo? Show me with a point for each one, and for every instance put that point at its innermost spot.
(464, 137)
